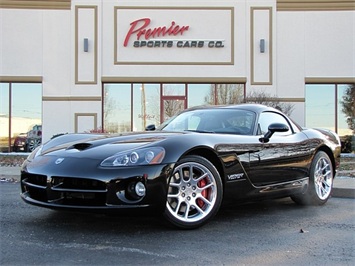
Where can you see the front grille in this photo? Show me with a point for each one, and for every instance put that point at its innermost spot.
(69, 191)
(35, 185)
(37, 180)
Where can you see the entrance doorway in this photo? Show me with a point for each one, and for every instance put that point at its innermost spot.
(173, 100)
(171, 106)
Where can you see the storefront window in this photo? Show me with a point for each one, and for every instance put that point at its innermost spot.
(221, 94)
(4, 116)
(173, 89)
(320, 106)
(21, 122)
(325, 109)
(134, 106)
(346, 117)
(117, 107)
(197, 94)
(146, 107)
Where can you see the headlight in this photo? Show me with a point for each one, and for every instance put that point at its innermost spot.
(146, 156)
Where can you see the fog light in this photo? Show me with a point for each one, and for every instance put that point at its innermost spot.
(135, 191)
(140, 189)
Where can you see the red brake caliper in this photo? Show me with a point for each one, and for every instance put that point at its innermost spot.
(204, 193)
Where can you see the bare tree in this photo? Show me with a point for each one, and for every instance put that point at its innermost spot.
(154, 108)
(172, 107)
(262, 97)
(348, 104)
(225, 94)
(109, 105)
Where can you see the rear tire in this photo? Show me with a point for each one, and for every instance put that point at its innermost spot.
(195, 193)
(33, 144)
(320, 182)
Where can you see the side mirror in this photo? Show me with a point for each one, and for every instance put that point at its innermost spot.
(150, 127)
(274, 127)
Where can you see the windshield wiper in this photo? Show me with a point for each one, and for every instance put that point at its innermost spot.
(199, 131)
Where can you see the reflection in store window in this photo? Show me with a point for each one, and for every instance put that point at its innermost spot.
(4, 116)
(346, 116)
(320, 106)
(134, 106)
(215, 94)
(146, 107)
(222, 94)
(197, 94)
(325, 109)
(172, 108)
(117, 107)
(173, 89)
(23, 116)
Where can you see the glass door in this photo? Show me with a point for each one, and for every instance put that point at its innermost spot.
(173, 100)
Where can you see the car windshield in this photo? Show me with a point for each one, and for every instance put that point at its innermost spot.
(227, 121)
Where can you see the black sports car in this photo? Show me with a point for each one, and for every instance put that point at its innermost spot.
(186, 167)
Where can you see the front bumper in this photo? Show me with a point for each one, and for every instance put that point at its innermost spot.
(98, 189)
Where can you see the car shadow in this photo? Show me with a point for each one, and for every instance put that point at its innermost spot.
(131, 222)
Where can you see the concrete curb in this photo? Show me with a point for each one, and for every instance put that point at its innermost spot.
(343, 193)
(344, 187)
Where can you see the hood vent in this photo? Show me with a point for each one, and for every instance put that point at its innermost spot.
(80, 146)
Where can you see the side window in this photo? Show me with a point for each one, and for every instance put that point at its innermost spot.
(243, 121)
(268, 118)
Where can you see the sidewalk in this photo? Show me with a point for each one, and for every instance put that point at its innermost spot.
(343, 187)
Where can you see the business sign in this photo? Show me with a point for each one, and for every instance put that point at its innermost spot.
(174, 36)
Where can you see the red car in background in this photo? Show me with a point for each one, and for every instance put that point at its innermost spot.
(20, 143)
(27, 142)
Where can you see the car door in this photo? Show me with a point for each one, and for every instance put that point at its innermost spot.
(285, 157)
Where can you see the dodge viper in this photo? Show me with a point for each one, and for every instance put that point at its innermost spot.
(186, 167)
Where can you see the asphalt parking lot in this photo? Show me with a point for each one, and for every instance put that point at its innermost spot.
(265, 233)
(276, 232)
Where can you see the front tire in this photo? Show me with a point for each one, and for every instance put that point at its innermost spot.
(320, 182)
(195, 193)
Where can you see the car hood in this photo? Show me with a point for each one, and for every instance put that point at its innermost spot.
(100, 146)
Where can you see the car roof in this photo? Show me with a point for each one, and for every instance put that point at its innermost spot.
(257, 108)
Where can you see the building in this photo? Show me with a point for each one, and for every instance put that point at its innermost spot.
(118, 65)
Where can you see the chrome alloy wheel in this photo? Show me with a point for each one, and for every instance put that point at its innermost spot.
(192, 192)
(323, 178)
(33, 144)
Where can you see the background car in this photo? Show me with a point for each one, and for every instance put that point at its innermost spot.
(187, 167)
(20, 143)
(27, 142)
(34, 138)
